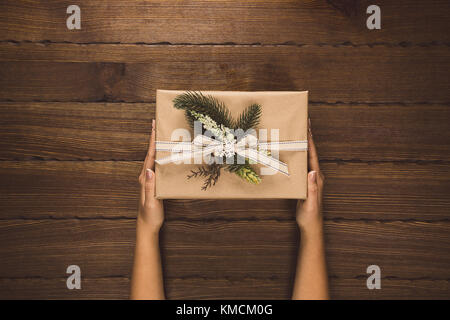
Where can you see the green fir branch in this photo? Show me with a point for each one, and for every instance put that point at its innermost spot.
(206, 105)
(249, 118)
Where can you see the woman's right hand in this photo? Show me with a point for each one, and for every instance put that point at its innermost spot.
(311, 279)
(309, 211)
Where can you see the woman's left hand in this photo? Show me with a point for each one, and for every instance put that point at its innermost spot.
(151, 210)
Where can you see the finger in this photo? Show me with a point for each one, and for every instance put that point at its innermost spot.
(149, 187)
(152, 147)
(320, 184)
(150, 156)
(142, 192)
(313, 159)
(313, 191)
(143, 180)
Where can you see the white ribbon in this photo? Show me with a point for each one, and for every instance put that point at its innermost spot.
(247, 147)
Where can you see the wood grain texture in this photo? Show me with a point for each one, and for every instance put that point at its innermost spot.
(38, 288)
(87, 189)
(120, 131)
(75, 131)
(248, 54)
(118, 288)
(261, 21)
(234, 250)
(69, 157)
(331, 74)
(354, 289)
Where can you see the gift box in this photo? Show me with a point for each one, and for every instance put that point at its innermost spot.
(282, 113)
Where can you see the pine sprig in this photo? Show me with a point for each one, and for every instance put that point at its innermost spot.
(249, 118)
(206, 105)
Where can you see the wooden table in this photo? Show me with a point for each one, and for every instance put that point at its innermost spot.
(75, 116)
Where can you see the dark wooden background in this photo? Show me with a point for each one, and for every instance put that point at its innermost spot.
(75, 115)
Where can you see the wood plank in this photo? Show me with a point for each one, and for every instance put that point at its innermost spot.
(120, 131)
(223, 250)
(37, 289)
(74, 131)
(402, 249)
(331, 74)
(87, 189)
(261, 21)
(160, 53)
(354, 289)
(390, 289)
(118, 288)
(372, 133)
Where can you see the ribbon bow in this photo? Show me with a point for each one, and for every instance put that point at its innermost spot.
(248, 147)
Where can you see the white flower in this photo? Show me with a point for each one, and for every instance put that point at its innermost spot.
(222, 133)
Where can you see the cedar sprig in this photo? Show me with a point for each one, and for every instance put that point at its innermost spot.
(206, 105)
(211, 173)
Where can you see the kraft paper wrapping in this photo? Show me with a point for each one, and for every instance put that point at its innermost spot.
(283, 110)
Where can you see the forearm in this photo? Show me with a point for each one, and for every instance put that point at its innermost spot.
(147, 278)
(311, 280)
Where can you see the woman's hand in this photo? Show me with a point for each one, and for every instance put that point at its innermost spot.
(151, 211)
(311, 280)
(147, 279)
(309, 211)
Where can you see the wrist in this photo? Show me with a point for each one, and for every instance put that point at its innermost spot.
(312, 227)
(148, 226)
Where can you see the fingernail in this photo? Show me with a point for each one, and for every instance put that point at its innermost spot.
(153, 124)
(312, 176)
(149, 173)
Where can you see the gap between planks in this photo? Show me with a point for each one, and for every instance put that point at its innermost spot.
(225, 220)
(403, 44)
(227, 278)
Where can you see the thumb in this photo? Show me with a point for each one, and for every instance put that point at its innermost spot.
(149, 186)
(311, 201)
